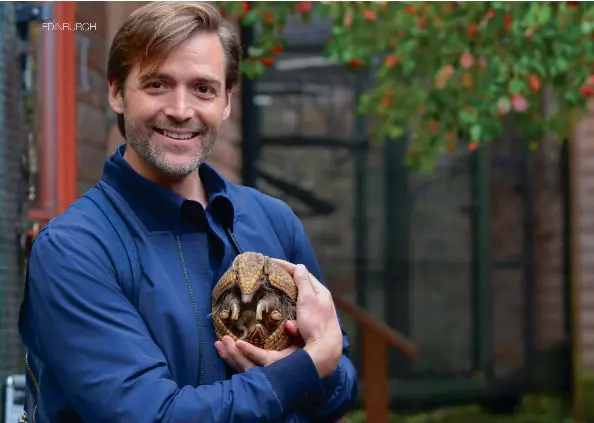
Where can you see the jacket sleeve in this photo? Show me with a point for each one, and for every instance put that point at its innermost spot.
(109, 368)
(340, 388)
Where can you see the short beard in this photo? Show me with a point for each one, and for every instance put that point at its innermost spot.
(139, 139)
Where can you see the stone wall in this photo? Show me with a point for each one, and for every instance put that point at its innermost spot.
(92, 126)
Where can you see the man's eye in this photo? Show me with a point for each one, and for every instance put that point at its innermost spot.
(156, 85)
(206, 90)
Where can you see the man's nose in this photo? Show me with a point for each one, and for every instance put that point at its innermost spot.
(180, 106)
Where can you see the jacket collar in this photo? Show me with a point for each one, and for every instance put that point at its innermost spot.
(160, 209)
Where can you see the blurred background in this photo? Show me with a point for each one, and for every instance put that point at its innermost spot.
(468, 293)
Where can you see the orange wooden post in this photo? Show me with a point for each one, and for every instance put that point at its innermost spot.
(66, 122)
(377, 337)
(375, 376)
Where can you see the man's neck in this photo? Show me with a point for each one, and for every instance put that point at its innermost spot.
(189, 187)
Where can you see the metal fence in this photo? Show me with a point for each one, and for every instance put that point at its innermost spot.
(13, 189)
(449, 259)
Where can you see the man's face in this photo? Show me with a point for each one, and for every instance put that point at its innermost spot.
(172, 117)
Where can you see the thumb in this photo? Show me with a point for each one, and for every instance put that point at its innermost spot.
(257, 355)
(303, 281)
(291, 326)
(301, 277)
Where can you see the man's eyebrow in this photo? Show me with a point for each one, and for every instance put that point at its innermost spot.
(157, 75)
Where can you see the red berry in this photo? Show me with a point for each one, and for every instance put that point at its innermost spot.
(267, 61)
(587, 91)
(355, 63)
(390, 61)
(370, 15)
(467, 60)
(507, 21)
(278, 49)
(519, 103)
(304, 6)
(534, 82)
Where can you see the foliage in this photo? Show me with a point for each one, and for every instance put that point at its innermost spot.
(534, 409)
(449, 71)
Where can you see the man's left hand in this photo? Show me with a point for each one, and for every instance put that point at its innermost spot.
(241, 355)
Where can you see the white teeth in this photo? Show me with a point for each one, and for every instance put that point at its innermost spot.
(178, 136)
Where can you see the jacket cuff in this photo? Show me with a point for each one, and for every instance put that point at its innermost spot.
(296, 382)
(332, 382)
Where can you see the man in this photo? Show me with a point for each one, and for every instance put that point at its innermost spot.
(115, 319)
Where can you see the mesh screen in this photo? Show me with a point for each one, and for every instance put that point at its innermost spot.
(11, 193)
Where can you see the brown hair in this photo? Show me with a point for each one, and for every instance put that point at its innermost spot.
(157, 28)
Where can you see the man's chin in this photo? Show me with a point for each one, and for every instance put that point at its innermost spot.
(178, 166)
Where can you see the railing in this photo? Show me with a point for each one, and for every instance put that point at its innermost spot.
(377, 337)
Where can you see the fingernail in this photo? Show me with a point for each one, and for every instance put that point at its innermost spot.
(300, 270)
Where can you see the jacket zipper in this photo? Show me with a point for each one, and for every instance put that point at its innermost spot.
(24, 417)
(196, 315)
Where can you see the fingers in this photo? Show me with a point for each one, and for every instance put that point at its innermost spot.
(316, 286)
(288, 266)
(291, 327)
(253, 353)
(232, 355)
(293, 330)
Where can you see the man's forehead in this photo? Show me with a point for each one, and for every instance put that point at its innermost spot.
(170, 71)
(200, 57)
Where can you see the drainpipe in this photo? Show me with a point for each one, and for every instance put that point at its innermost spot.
(65, 106)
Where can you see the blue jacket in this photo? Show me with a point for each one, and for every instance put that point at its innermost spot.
(118, 336)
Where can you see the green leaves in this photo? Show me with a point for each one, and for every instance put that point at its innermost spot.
(445, 71)
(475, 132)
(467, 116)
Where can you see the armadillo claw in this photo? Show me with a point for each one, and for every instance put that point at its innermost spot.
(221, 330)
(235, 311)
(279, 340)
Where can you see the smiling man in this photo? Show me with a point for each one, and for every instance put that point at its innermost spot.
(116, 316)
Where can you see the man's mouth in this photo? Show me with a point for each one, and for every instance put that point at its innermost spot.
(176, 135)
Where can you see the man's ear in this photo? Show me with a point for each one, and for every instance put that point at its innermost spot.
(227, 111)
(116, 99)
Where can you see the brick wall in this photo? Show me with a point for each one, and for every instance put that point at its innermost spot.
(440, 238)
(583, 231)
(92, 125)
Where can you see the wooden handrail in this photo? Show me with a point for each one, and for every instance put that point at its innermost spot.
(377, 337)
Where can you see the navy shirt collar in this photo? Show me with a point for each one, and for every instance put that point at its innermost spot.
(160, 209)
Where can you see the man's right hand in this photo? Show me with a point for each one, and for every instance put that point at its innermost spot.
(316, 319)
